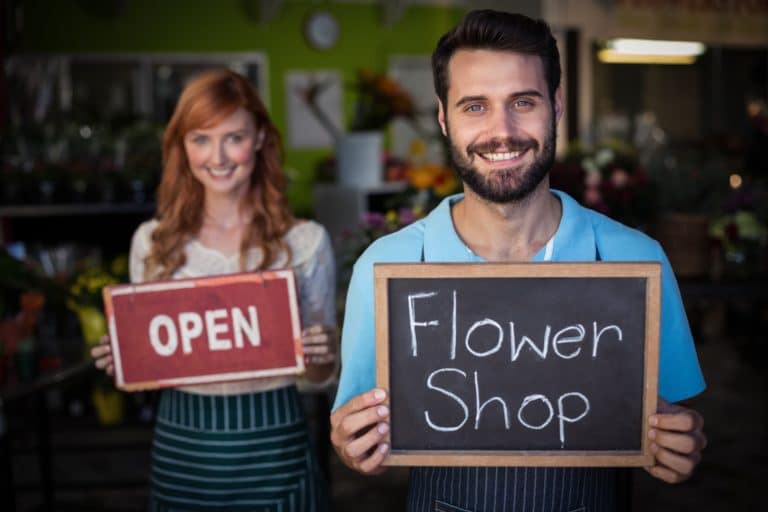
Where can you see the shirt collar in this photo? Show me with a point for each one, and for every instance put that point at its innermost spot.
(574, 238)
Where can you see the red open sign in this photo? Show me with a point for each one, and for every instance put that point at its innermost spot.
(212, 329)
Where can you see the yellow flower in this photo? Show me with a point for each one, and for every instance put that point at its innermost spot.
(417, 148)
(421, 177)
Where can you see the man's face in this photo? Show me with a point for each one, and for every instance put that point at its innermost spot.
(500, 122)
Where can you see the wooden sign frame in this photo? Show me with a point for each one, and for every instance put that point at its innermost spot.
(651, 271)
(263, 279)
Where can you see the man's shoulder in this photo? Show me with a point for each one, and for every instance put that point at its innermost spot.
(619, 241)
(404, 245)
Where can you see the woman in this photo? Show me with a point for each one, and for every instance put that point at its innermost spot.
(221, 209)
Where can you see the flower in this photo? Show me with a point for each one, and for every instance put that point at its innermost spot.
(86, 289)
(85, 297)
(737, 229)
(379, 100)
(374, 225)
(609, 179)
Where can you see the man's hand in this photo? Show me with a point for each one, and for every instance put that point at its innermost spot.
(102, 353)
(677, 438)
(358, 429)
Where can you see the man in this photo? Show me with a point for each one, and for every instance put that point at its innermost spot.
(497, 78)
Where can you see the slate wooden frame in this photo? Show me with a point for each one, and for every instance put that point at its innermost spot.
(651, 271)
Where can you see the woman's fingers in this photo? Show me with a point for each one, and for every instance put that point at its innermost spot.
(319, 342)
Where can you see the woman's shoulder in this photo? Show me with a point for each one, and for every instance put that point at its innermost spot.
(142, 237)
(306, 238)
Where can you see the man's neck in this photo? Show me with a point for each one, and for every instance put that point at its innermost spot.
(507, 232)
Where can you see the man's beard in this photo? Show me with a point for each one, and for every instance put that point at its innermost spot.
(505, 185)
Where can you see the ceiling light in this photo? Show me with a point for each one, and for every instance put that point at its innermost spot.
(649, 51)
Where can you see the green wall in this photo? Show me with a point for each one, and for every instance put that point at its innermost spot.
(79, 26)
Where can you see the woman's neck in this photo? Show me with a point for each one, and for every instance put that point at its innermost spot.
(224, 225)
(223, 212)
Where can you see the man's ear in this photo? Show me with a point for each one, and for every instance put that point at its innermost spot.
(441, 117)
(559, 103)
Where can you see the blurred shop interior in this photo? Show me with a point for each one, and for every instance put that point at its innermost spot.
(665, 129)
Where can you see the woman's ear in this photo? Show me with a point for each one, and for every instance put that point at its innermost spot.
(259, 140)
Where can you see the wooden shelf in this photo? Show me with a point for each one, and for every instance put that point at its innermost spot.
(75, 209)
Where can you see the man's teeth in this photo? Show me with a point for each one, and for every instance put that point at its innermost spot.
(501, 156)
(220, 172)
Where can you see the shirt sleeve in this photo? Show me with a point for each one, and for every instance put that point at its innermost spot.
(358, 344)
(140, 244)
(318, 284)
(680, 376)
(317, 295)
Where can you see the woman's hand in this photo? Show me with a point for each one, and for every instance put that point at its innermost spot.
(102, 353)
(321, 348)
(321, 344)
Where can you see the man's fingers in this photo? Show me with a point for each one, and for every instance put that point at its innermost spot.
(357, 403)
(358, 449)
(682, 464)
(372, 464)
(664, 474)
(360, 421)
(684, 421)
(681, 443)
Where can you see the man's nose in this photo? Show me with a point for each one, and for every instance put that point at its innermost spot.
(502, 123)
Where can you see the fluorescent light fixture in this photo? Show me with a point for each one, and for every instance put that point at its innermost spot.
(649, 51)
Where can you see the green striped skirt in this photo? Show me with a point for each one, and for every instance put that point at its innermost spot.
(239, 452)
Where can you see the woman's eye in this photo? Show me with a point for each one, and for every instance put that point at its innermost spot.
(236, 138)
(199, 139)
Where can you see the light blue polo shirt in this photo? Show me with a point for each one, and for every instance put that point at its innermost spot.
(580, 234)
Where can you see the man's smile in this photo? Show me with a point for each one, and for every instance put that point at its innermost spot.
(501, 156)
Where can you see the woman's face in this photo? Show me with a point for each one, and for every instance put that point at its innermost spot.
(222, 157)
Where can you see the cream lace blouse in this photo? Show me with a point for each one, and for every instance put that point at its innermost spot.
(312, 261)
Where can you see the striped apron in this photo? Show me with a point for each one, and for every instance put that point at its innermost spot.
(459, 489)
(247, 452)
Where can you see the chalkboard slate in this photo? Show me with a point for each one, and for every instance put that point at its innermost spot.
(520, 363)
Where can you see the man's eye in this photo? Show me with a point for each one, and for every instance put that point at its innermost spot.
(523, 103)
(474, 108)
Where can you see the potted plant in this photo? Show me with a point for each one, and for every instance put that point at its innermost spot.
(379, 100)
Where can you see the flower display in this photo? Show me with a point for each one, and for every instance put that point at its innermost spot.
(85, 296)
(609, 179)
(380, 99)
(372, 226)
(740, 234)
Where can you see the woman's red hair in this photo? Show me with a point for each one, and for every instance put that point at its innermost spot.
(207, 100)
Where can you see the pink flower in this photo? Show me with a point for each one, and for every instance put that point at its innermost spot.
(619, 178)
(592, 179)
(592, 196)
